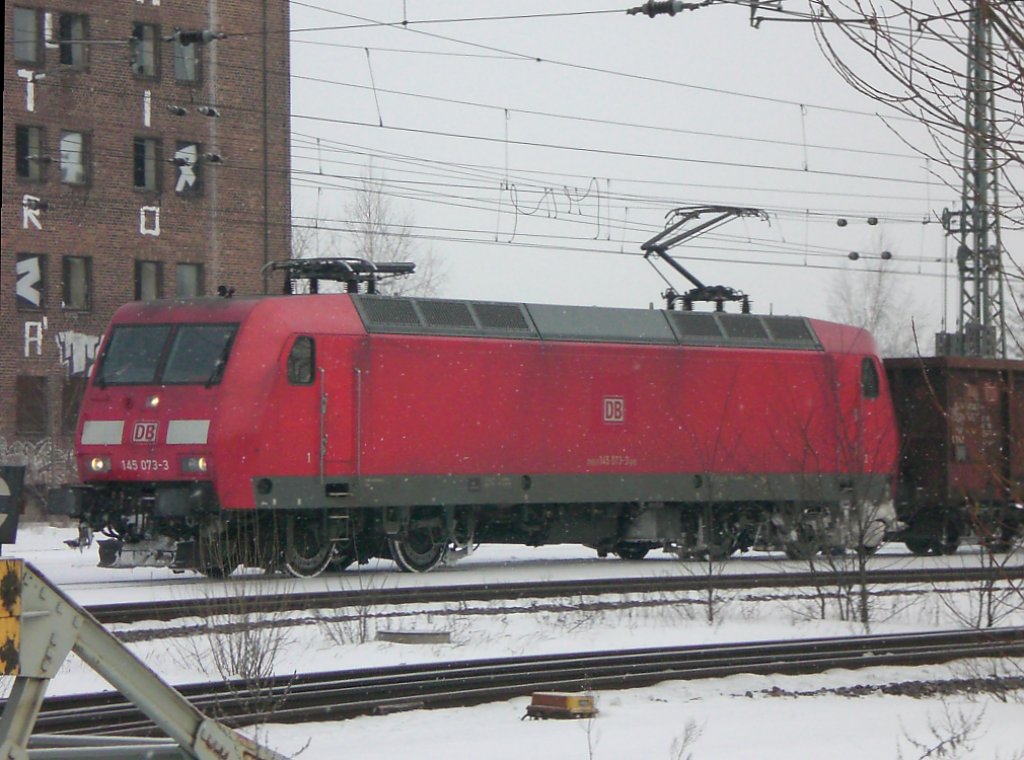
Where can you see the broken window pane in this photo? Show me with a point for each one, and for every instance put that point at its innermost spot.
(72, 158)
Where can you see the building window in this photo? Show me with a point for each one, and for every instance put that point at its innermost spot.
(71, 33)
(145, 38)
(186, 61)
(76, 282)
(72, 158)
(186, 159)
(188, 280)
(26, 35)
(30, 393)
(146, 163)
(148, 280)
(30, 274)
(28, 156)
(70, 400)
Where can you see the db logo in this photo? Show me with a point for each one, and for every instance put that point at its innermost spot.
(614, 409)
(144, 432)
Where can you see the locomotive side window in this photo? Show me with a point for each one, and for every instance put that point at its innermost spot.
(132, 355)
(301, 360)
(199, 354)
(869, 384)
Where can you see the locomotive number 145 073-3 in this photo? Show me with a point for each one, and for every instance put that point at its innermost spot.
(145, 465)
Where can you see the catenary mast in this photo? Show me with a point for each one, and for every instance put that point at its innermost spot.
(975, 227)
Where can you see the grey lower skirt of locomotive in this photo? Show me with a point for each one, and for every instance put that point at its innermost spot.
(181, 526)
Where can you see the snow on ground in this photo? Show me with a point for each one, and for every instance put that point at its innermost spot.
(732, 718)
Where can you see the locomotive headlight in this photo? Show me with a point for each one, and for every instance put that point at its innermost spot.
(195, 464)
(99, 464)
(152, 402)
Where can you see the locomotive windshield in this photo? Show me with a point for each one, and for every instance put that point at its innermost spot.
(171, 354)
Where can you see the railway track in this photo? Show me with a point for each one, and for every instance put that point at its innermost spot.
(134, 612)
(346, 694)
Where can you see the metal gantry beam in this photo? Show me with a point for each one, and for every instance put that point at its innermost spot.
(45, 625)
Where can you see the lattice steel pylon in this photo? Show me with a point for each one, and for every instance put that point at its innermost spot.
(981, 329)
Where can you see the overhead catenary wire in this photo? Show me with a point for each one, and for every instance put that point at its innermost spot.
(596, 151)
(636, 201)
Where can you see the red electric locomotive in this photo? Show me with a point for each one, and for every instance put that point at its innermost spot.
(307, 431)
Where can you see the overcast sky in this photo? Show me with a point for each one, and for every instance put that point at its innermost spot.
(535, 155)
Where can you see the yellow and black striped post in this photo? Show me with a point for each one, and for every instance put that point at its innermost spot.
(11, 573)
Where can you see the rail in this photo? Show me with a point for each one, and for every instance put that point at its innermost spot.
(133, 612)
(346, 694)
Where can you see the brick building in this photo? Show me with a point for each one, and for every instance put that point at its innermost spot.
(142, 159)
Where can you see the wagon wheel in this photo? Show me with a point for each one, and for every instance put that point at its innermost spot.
(418, 552)
(919, 546)
(307, 550)
(631, 551)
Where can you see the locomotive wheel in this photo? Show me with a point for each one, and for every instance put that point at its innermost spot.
(218, 558)
(936, 539)
(307, 551)
(418, 552)
(997, 546)
(718, 552)
(342, 559)
(797, 551)
(631, 551)
(802, 545)
(919, 546)
(948, 541)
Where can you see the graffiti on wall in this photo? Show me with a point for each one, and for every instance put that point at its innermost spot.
(77, 351)
(186, 158)
(33, 337)
(28, 288)
(30, 78)
(31, 208)
(46, 464)
(149, 220)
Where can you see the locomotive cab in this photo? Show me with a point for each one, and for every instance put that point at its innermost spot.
(145, 430)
